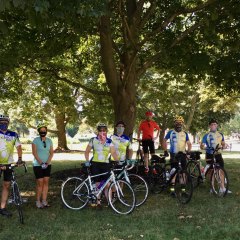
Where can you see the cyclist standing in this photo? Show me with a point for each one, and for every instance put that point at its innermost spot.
(179, 139)
(8, 140)
(210, 141)
(42, 150)
(102, 146)
(147, 128)
(122, 142)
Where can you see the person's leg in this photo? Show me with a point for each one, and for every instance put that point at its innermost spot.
(45, 191)
(145, 151)
(39, 191)
(5, 192)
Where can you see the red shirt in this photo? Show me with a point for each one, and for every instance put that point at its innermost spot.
(147, 128)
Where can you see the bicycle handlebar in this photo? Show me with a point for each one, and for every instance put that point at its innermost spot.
(13, 165)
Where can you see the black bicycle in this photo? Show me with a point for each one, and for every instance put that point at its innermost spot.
(15, 195)
(162, 178)
(194, 168)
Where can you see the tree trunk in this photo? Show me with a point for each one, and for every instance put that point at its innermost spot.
(61, 132)
(121, 78)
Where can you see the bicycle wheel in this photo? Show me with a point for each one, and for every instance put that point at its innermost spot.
(140, 188)
(18, 201)
(121, 197)
(183, 186)
(195, 173)
(158, 180)
(219, 181)
(74, 193)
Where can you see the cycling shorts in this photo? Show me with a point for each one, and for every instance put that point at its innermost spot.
(219, 159)
(98, 168)
(174, 162)
(7, 175)
(148, 145)
(41, 173)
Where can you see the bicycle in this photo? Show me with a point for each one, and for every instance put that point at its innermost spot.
(139, 153)
(15, 192)
(218, 175)
(163, 178)
(76, 193)
(138, 183)
(194, 168)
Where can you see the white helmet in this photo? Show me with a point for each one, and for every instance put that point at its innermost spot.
(4, 118)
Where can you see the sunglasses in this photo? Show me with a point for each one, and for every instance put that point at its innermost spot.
(44, 144)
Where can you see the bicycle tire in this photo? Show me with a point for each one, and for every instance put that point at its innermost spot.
(195, 173)
(121, 197)
(217, 182)
(140, 188)
(18, 201)
(183, 186)
(158, 180)
(74, 193)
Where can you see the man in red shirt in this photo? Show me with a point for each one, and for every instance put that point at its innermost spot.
(147, 128)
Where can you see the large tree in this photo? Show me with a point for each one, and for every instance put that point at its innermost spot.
(184, 36)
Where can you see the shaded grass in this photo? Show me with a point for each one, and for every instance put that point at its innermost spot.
(205, 217)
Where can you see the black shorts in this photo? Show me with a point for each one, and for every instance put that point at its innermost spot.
(41, 173)
(174, 160)
(219, 159)
(7, 175)
(148, 144)
(98, 168)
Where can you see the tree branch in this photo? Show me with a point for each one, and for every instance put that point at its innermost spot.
(74, 84)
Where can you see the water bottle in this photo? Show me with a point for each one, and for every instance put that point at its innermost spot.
(206, 168)
(172, 171)
(101, 184)
(167, 175)
(94, 188)
(202, 172)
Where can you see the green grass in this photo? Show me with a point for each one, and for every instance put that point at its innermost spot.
(205, 217)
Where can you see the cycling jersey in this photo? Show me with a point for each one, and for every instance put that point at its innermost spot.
(211, 140)
(8, 141)
(100, 151)
(147, 128)
(178, 141)
(121, 144)
(43, 152)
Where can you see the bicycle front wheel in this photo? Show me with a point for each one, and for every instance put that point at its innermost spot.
(195, 173)
(183, 186)
(18, 201)
(74, 193)
(219, 182)
(121, 197)
(140, 188)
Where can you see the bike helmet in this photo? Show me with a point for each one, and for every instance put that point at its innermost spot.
(41, 125)
(213, 121)
(101, 125)
(4, 118)
(149, 114)
(179, 119)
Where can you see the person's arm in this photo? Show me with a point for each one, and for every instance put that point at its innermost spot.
(157, 136)
(189, 146)
(19, 153)
(87, 152)
(113, 153)
(130, 153)
(50, 155)
(203, 143)
(34, 152)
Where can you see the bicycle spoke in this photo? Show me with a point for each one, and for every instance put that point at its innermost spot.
(74, 193)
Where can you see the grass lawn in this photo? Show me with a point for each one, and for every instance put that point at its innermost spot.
(161, 217)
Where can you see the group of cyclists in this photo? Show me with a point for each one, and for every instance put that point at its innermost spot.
(42, 150)
(118, 145)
